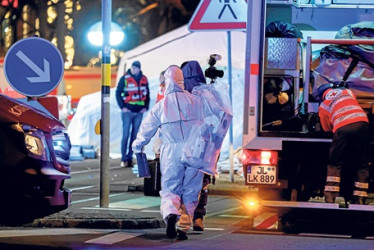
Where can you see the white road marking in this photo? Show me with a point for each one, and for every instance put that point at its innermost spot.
(93, 199)
(213, 229)
(137, 203)
(326, 235)
(106, 208)
(110, 239)
(234, 216)
(223, 211)
(149, 211)
(267, 232)
(80, 188)
(92, 170)
(50, 231)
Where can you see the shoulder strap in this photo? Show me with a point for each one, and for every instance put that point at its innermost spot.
(355, 59)
(350, 69)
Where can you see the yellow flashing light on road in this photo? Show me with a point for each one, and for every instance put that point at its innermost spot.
(251, 204)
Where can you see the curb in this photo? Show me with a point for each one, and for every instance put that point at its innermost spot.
(100, 220)
(99, 223)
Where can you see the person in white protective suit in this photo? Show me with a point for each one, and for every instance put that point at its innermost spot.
(175, 115)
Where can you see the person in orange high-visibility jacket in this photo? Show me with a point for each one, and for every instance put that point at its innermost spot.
(160, 94)
(132, 95)
(161, 87)
(349, 154)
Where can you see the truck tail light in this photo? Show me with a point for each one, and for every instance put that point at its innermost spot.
(263, 157)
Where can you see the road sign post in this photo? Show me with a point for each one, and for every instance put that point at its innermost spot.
(222, 15)
(105, 104)
(33, 66)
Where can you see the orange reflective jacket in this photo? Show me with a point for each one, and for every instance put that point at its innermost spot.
(135, 93)
(339, 108)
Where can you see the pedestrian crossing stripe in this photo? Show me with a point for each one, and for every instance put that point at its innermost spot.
(106, 208)
(149, 211)
(137, 203)
(234, 216)
(112, 238)
(213, 229)
(50, 232)
(266, 221)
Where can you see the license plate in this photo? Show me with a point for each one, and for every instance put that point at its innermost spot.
(260, 174)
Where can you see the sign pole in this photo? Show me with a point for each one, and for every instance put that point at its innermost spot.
(105, 103)
(231, 150)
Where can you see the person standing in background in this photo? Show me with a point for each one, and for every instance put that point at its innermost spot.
(132, 95)
(160, 94)
(161, 87)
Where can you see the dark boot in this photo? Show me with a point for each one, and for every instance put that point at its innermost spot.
(182, 235)
(198, 225)
(358, 200)
(171, 231)
(330, 196)
(361, 186)
(332, 187)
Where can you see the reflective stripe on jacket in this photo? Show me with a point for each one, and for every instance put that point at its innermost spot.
(339, 108)
(134, 93)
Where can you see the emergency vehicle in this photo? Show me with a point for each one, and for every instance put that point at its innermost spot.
(285, 152)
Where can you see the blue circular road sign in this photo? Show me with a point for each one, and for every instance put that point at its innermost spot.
(33, 66)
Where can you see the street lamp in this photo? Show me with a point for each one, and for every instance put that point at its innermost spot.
(95, 34)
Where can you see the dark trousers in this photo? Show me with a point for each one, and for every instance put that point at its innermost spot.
(130, 126)
(200, 210)
(350, 155)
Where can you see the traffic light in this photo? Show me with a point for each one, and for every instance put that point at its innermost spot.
(7, 3)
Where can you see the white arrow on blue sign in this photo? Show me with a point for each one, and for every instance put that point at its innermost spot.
(33, 66)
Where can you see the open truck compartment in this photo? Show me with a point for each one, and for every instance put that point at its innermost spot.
(285, 151)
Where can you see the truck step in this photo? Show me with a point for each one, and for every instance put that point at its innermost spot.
(315, 205)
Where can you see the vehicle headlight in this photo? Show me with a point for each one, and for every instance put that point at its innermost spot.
(34, 144)
(34, 141)
(61, 144)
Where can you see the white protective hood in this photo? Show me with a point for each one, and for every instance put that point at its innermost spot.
(175, 47)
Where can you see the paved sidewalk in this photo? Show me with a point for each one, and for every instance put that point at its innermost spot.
(96, 217)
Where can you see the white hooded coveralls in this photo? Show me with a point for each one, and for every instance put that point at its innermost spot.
(175, 115)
